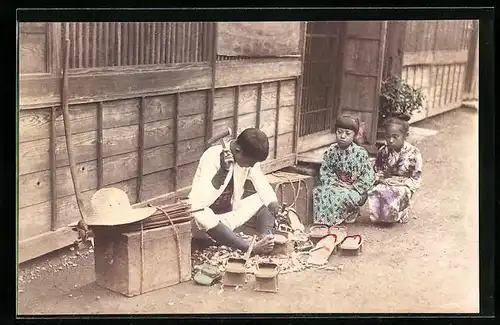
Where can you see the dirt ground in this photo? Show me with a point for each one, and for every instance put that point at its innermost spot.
(427, 265)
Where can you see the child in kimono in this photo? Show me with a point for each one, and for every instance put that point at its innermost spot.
(218, 187)
(345, 176)
(398, 173)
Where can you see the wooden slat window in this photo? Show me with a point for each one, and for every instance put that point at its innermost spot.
(108, 44)
(437, 35)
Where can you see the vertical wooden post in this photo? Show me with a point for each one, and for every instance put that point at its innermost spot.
(106, 43)
(176, 141)
(394, 49)
(153, 39)
(441, 86)
(137, 36)
(168, 48)
(299, 81)
(259, 105)
(100, 180)
(54, 47)
(435, 36)
(118, 44)
(339, 76)
(211, 97)
(383, 36)
(53, 169)
(471, 57)
(80, 45)
(87, 50)
(140, 159)
(94, 44)
(236, 109)
(277, 119)
(434, 85)
(457, 89)
(142, 37)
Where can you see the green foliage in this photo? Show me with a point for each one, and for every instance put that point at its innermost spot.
(398, 98)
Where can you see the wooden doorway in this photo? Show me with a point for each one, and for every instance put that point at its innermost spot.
(322, 68)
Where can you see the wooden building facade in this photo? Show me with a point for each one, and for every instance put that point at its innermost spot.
(145, 97)
(437, 56)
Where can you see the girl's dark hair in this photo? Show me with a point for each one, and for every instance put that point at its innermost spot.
(405, 126)
(254, 144)
(347, 122)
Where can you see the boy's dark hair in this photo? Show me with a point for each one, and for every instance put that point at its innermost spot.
(254, 144)
(405, 126)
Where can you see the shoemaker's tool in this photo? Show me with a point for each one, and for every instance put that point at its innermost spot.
(81, 228)
(220, 137)
(266, 278)
(282, 217)
(235, 268)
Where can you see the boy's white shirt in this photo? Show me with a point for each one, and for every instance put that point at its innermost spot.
(203, 193)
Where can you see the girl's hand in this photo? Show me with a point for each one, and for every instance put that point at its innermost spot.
(341, 184)
(383, 181)
(395, 181)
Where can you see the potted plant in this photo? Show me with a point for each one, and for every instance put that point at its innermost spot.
(399, 99)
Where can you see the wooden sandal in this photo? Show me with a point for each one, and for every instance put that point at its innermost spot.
(340, 231)
(353, 243)
(318, 231)
(324, 248)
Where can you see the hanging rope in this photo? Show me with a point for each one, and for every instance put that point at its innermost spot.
(142, 258)
(177, 238)
(296, 192)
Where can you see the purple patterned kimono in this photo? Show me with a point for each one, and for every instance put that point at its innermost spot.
(390, 203)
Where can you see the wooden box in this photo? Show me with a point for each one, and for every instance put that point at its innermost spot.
(120, 266)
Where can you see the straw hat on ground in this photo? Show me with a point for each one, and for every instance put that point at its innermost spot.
(111, 207)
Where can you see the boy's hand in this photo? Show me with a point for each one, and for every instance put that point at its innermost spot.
(226, 159)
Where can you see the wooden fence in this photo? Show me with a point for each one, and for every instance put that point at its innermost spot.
(435, 59)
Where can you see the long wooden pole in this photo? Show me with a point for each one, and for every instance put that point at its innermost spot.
(67, 129)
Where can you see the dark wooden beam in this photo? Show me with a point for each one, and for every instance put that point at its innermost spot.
(100, 182)
(53, 178)
(140, 159)
(394, 49)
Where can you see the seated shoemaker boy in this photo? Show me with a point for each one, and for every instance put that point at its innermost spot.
(218, 188)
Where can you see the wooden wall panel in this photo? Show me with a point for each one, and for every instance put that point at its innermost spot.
(268, 122)
(285, 144)
(356, 58)
(248, 99)
(269, 91)
(364, 30)
(33, 54)
(223, 103)
(363, 99)
(288, 92)
(246, 121)
(286, 119)
(186, 174)
(361, 78)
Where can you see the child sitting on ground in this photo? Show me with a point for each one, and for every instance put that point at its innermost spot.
(345, 176)
(398, 173)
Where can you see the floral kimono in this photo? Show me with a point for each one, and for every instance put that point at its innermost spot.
(333, 203)
(390, 203)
